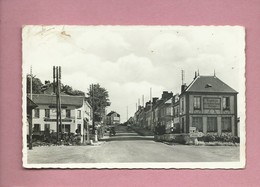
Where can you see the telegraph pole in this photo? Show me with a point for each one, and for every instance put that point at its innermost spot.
(30, 120)
(151, 106)
(127, 113)
(59, 83)
(57, 101)
(56, 89)
(92, 98)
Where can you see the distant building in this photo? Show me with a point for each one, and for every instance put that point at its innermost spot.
(113, 118)
(208, 104)
(138, 116)
(163, 110)
(130, 121)
(75, 113)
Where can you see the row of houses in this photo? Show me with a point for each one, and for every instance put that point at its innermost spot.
(207, 104)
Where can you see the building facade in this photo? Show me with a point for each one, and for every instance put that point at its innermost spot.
(209, 105)
(113, 118)
(75, 114)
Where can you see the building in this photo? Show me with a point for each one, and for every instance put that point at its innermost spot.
(147, 115)
(75, 114)
(162, 110)
(113, 118)
(138, 116)
(167, 115)
(176, 114)
(209, 105)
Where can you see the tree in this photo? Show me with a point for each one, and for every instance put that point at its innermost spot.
(99, 99)
(69, 90)
(36, 85)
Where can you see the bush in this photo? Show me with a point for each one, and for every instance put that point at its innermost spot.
(219, 138)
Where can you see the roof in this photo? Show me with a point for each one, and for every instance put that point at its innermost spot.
(209, 84)
(30, 103)
(113, 112)
(47, 99)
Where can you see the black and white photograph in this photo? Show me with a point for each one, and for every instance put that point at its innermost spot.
(133, 96)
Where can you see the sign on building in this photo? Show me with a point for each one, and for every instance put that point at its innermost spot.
(211, 103)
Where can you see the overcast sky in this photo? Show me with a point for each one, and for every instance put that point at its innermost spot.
(128, 61)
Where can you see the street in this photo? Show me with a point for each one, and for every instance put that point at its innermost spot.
(128, 146)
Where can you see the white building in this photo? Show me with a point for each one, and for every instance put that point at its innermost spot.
(75, 112)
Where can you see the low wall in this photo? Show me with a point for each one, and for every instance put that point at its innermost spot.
(178, 138)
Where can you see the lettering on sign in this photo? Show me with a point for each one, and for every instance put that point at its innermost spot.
(192, 129)
(211, 103)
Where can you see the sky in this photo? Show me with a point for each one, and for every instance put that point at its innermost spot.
(130, 60)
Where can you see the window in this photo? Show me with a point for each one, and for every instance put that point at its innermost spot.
(37, 113)
(168, 111)
(79, 114)
(68, 113)
(226, 124)
(47, 127)
(182, 104)
(65, 128)
(197, 122)
(47, 113)
(226, 103)
(36, 128)
(79, 129)
(197, 103)
(212, 124)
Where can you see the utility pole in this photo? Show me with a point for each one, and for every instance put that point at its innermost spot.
(57, 102)
(182, 76)
(60, 111)
(127, 113)
(151, 106)
(30, 120)
(56, 84)
(31, 77)
(92, 98)
(93, 121)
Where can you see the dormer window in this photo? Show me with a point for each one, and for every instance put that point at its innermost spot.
(208, 85)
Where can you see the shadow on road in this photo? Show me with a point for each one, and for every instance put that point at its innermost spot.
(124, 134)
(128, 138)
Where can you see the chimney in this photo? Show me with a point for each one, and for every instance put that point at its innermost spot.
(166, 94)
(155, 99)
(195, 75)
(183, 88)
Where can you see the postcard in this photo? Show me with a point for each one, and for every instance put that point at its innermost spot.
(133, 97)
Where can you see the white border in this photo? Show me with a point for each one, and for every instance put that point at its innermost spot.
(144, 165)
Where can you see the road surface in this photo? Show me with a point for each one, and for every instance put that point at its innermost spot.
(128, 146)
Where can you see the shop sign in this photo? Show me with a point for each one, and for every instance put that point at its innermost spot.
(52, 120)
(211, 103)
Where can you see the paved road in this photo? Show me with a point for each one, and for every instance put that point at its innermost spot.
(127, 146)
